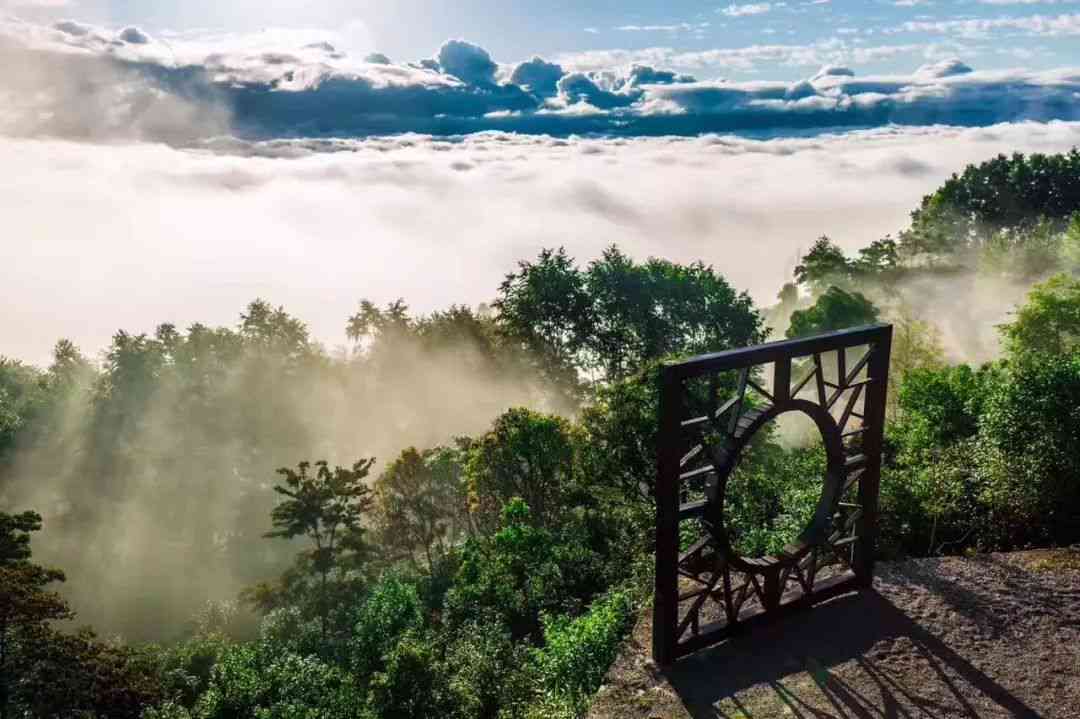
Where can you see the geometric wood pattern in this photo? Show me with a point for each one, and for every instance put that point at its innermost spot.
(710, 408)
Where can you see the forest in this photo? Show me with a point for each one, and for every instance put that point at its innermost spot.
(452, 516)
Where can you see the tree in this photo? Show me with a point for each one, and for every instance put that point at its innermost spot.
(879, 257)
(420, 503)
(525, 454)
(519, 571)
(327, 508)
(1048, 323)
(916, 344)
(824, 265)
(27, 606)
(835, 309)
(607, 321)
(1002, 193)
(544, 305)
(644, 311)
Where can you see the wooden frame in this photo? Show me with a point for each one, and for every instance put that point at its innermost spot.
(705, 590)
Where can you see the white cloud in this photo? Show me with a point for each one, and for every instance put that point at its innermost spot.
(676, 27)
(735, 10)
(149, 234)
(1039, 25)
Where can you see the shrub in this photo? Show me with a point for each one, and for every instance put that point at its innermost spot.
(579, 651)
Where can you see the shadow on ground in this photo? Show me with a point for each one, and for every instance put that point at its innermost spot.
(857, 631)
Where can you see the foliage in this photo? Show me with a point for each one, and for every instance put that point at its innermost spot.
(823, 266)
(27, 607)
(521, 571)
(414, 683)
(1030, 429)
(256, 680)
(916, 344)
(420, 504)
(491, 675)
(1004, 192)
(1049, 323)
(327, 508)
(391, 610)
(578, 651)
(525, 454)
(608, 320)
(835, 309)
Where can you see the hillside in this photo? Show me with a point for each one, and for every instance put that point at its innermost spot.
(996, 635)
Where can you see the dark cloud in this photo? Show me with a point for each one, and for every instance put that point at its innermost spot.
(538, 76)
(313, 90)
(467, 62)
(70, 27)
(133, 35)
(580, 87)
(645, 75)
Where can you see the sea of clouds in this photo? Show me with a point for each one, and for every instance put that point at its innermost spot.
(175, 179)
(102, 236)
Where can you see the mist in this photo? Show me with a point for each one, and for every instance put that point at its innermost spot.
(438, 222)
(154, 476)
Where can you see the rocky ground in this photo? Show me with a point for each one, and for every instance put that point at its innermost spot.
(996, 635)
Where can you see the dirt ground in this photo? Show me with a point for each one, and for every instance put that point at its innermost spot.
(997, 635)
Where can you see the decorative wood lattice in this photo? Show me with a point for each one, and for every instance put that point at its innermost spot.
(710, 409)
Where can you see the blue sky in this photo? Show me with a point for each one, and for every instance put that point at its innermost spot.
(880, 35)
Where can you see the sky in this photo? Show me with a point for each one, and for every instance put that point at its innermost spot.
(893, 35)
(169, 162)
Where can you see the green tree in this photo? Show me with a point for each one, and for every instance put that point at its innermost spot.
(525, 454)
(1005, 192)
(327, 507)
(420, 504)
(1048, 323)
(545, 306)
(824, 265)
(1029, 435)
(835, 309)
(414, 683)
(916, 344)
(644, 311)
(578, 651)
(518, 572)
(606, 321)
(27, 605)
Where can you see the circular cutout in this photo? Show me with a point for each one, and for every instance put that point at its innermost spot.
(744, 498)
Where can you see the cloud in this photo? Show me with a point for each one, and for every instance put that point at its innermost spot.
(538, 76)
(316, 224)
(79, 81)
(944, 68)
(735, 10)
(133, 35)
(1064, 25)
(467, 62)
(673, 28)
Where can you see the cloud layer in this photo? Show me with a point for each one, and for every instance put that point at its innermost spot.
(283, 84)
(100, 237)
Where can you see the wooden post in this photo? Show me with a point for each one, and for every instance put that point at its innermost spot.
(869, 484)
(666, 597)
